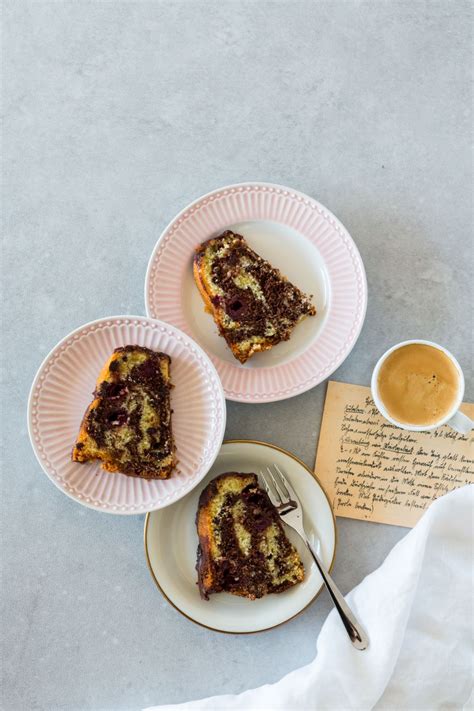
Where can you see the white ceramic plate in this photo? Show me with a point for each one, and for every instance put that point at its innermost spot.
(307, 243)
(62, 390)
(171, 544)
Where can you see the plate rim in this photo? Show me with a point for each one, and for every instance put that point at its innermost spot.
(61, 342)
(278, 624)
(290, 191)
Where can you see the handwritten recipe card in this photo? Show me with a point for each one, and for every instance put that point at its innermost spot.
(375, 471)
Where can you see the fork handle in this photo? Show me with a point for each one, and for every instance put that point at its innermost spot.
(356, 634)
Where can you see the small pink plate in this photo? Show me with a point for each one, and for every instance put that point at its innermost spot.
(62, 390)
(307, 243)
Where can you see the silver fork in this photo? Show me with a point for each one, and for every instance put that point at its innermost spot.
(285, 500)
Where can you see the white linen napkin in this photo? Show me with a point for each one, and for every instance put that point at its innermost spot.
(417, 610)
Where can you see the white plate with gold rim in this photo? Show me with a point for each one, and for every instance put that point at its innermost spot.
(171, 544)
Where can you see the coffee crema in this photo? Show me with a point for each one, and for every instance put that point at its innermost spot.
(418, 384)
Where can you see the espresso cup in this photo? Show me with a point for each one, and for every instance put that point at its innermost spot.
(453, 417)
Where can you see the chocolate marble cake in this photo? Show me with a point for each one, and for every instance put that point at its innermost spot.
(253, 304)
(128, 424)
(242, 548)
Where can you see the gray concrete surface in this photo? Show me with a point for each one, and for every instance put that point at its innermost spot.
(117, 114)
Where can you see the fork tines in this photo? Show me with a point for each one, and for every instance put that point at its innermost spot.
(277, 487)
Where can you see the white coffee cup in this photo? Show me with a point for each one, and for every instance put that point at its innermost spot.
(455, 419)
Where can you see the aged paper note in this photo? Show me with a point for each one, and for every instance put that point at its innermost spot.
(375, 471)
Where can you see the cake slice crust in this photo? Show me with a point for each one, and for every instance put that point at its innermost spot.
(254, 306)
(127, 426)
(243, 548)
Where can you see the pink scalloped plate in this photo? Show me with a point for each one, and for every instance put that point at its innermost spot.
(62, 390)
(307, 243)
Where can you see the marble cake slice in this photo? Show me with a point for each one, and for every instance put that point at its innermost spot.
(127, 426)
(253, 304)
(243, 548)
